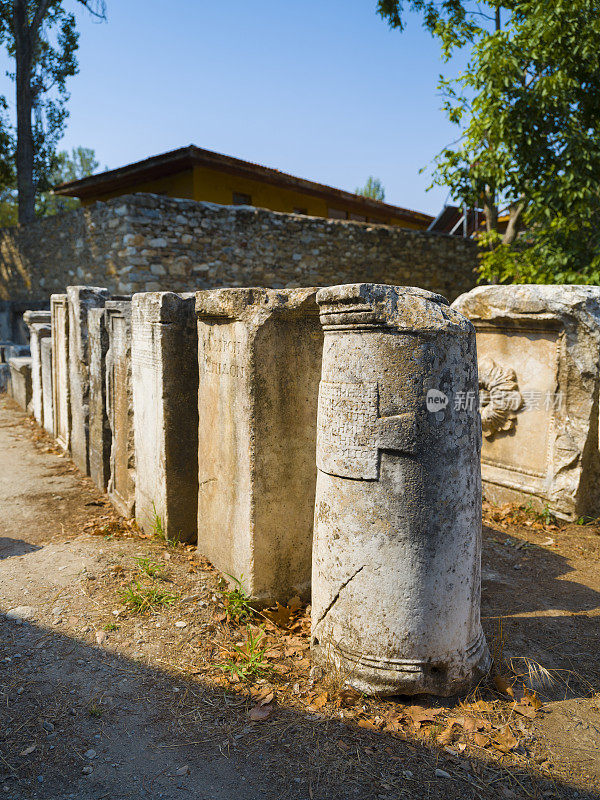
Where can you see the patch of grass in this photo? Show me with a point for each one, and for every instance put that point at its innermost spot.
(142, 599)
(111, 626)
(94, 710)
(158, 530)
(236, 600)
(249, 660)
(545, 515)
(149, 567)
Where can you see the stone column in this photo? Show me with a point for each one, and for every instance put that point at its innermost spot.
(20, 381)
(119, 405)
(259, 356)
(61, 403)
(539, 382)
(396, 552)
(38, 323)
(100, 436)
(164, 356)
(46, 361)
(80, 300)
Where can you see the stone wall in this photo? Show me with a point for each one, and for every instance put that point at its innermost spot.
(147, 242)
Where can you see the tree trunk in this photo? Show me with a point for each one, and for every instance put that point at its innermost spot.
(25, 155)
(490, 212)
(514, 222)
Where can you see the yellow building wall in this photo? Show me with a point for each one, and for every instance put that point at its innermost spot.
(214, 186)
(181, 184)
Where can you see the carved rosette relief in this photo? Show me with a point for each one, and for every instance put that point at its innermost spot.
(499, 397)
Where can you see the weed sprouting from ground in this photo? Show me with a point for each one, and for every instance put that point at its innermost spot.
(94, 710)
(149, 567)
(545, 516)
(143, 599)
(236, 600)
(249, 660)
(159, 532)
(111, 626)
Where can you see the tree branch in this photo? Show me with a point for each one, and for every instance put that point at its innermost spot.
(101, 5)
(39, 15)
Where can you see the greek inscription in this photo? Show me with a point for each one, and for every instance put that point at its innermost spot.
(222, 368)
(143, 350)
(347, 421)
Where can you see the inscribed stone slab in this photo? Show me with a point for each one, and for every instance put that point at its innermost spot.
(259, 354)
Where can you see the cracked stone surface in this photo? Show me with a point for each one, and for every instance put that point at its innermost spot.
(397, 536)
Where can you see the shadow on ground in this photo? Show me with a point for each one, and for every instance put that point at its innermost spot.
(80, 722)
(15, 547)
(536, 608)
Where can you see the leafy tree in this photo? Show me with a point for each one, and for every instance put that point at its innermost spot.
(73, 166)
(528, 109)
(79, 163)
(42, 38)
(373, 188)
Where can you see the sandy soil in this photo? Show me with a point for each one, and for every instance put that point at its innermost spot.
(99, 701)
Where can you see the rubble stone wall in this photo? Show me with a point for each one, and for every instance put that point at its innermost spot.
(145, 242)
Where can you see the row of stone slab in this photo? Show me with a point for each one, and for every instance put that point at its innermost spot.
(249, 419)
(203, 412)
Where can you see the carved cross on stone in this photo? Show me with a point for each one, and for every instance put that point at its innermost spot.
(351, 433)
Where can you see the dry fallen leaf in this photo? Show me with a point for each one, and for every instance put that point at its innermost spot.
(28, 750)
(294, 604)
(280, 615)
(445, 737)
(504, 740)
(368, 724)
(480, 740)
(531, 699)
(524, 710)
(349, 697)
(503, 685)
(419, 715)
(261, 712)
(479, 705)
(319, 701)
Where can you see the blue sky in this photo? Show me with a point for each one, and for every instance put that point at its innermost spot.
(323, 90)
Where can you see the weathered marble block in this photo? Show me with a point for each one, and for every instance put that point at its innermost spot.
(539, 377)
(259, 354)
(164, 356)
(80, 300)
(38, 323)
(100, 436)
(46, 360)
(397, 537)
(20, 381)
(119, 406)
(61, 402)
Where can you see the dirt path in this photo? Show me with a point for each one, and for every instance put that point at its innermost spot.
(99, 702)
